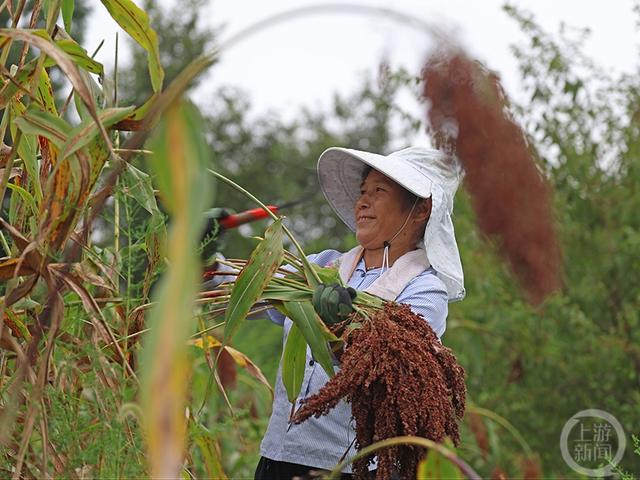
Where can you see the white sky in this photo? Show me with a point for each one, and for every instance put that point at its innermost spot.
(302, 62)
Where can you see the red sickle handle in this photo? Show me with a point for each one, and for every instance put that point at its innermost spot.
(247, 216)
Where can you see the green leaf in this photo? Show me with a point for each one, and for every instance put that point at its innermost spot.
(45, 93)
(79, 56)
(165, 172)
(135, 22)
(254, 277)
(328, 275)
(165, 364)
(435, 467)
(10, 88)
(293, 362)
(315, 332)
(211, 457)
(27, 149)
(67, 14)
(38, 122)
(285, 295)
(26, 196)
(16, 323)
(41, 40)
(140, 188)
(88, 130)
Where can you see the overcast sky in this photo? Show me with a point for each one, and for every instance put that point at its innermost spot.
(303, 61)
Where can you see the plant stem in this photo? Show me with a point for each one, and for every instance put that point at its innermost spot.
(5, 245)
(408, 440)
(303, 257)
(505, 423)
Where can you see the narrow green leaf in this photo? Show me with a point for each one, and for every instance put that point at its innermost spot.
(10, 88)
(135, 22)
(179, 148)
(79, 56)
(435, 467)
(67, 14)
(38, 122)
(98, 155)
(135, 119)
(254, 277)
(26, 196)
(211, 456)
(315, 332)
(45, 92)
(328, 275)
(96, 92)
(139, 186)
(285, 294)
(41, 40)
(27, 149)
(88, 130)
(293, 362)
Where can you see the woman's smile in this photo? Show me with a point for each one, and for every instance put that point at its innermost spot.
(363, 219)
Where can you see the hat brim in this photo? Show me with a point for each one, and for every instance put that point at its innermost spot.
(340, 173)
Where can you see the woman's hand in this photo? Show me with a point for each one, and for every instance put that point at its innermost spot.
(333, 303)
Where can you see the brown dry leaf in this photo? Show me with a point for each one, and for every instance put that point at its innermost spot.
(239, 358)
(16, 325)
(7, 342)
(24, 246)
(226, 367)
(21, 291)
(5, 152)
(11, 268)
(83, 271)
(75, 284)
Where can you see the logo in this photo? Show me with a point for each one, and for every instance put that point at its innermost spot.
(588, 441)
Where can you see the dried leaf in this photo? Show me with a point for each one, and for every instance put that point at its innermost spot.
(240, 359)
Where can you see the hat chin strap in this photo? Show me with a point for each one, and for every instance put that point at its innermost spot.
(387, 244)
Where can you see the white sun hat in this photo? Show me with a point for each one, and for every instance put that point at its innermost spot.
(424, 172)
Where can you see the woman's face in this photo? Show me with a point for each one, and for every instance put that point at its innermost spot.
(380, 211)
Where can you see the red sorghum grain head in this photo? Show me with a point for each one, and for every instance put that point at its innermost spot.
(469, 116)
(400, 380)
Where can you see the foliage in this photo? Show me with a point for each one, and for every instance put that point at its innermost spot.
(182, 38)
(57, 362)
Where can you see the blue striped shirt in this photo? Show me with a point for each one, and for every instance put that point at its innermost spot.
(322, 442)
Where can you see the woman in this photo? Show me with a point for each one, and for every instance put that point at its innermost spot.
(400, 207)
